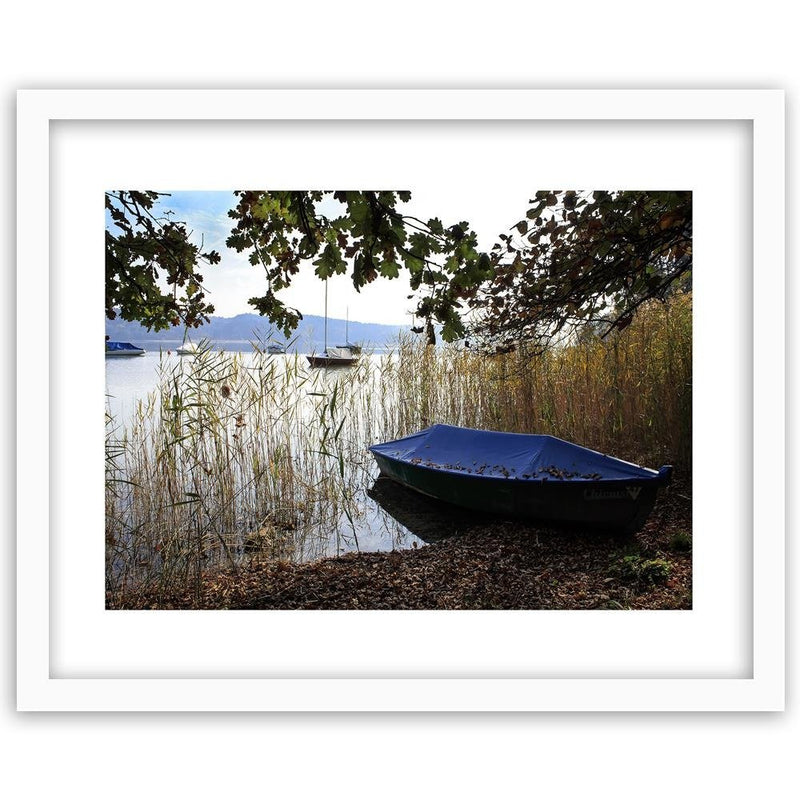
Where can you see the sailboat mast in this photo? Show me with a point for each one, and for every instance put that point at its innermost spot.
(326, 315)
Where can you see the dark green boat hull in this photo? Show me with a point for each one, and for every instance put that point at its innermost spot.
(618, 505)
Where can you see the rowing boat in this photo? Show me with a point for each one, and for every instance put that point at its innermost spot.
(523, 475)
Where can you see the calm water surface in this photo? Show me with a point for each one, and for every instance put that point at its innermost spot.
(390, 517)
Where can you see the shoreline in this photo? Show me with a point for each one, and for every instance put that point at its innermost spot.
(504, 564)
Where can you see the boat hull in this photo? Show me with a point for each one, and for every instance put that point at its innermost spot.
(620, 505)
(328, 361)
(122, 350)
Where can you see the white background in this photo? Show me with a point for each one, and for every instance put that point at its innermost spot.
(584, 46)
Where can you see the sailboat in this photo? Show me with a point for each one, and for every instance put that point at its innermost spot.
(190, 348)
(332, 356)
(355, 349)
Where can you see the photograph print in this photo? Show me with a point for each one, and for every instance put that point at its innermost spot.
(348, 400)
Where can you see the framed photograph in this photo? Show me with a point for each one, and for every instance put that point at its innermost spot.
(716, 644)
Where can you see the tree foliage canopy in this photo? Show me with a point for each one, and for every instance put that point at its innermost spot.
(576, 258)
(584, 257)
(370, 238)
(149, 259)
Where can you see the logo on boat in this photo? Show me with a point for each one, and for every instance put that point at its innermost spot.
(629, 492)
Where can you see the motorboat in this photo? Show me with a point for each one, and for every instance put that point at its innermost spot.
(122, 349)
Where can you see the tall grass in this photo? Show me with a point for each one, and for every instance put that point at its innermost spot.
(242, 457)
(629, 394)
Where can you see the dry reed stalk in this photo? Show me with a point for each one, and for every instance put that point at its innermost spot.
(233, 459)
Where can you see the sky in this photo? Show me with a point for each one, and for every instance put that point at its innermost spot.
(230, 283)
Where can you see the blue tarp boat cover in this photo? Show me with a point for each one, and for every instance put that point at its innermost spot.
(121, 346)
(510, 455)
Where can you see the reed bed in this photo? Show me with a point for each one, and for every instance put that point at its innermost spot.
(629, 394)
(235, 458)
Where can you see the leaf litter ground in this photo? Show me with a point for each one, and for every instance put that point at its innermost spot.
(502, 564)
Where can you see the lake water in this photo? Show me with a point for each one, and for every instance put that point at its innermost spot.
(130, 378)
(382, 515)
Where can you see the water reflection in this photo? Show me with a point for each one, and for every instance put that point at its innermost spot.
(428, 519)
(219, 459)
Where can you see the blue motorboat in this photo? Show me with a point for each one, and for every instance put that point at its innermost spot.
(123, 349)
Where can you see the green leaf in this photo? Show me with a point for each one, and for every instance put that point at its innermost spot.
(603, 249)
(330, 262)
(389, 269)
(436, 226)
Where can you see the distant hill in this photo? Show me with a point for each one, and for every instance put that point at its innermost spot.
(245, 328)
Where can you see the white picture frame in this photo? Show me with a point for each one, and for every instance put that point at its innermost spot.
(67, 641)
